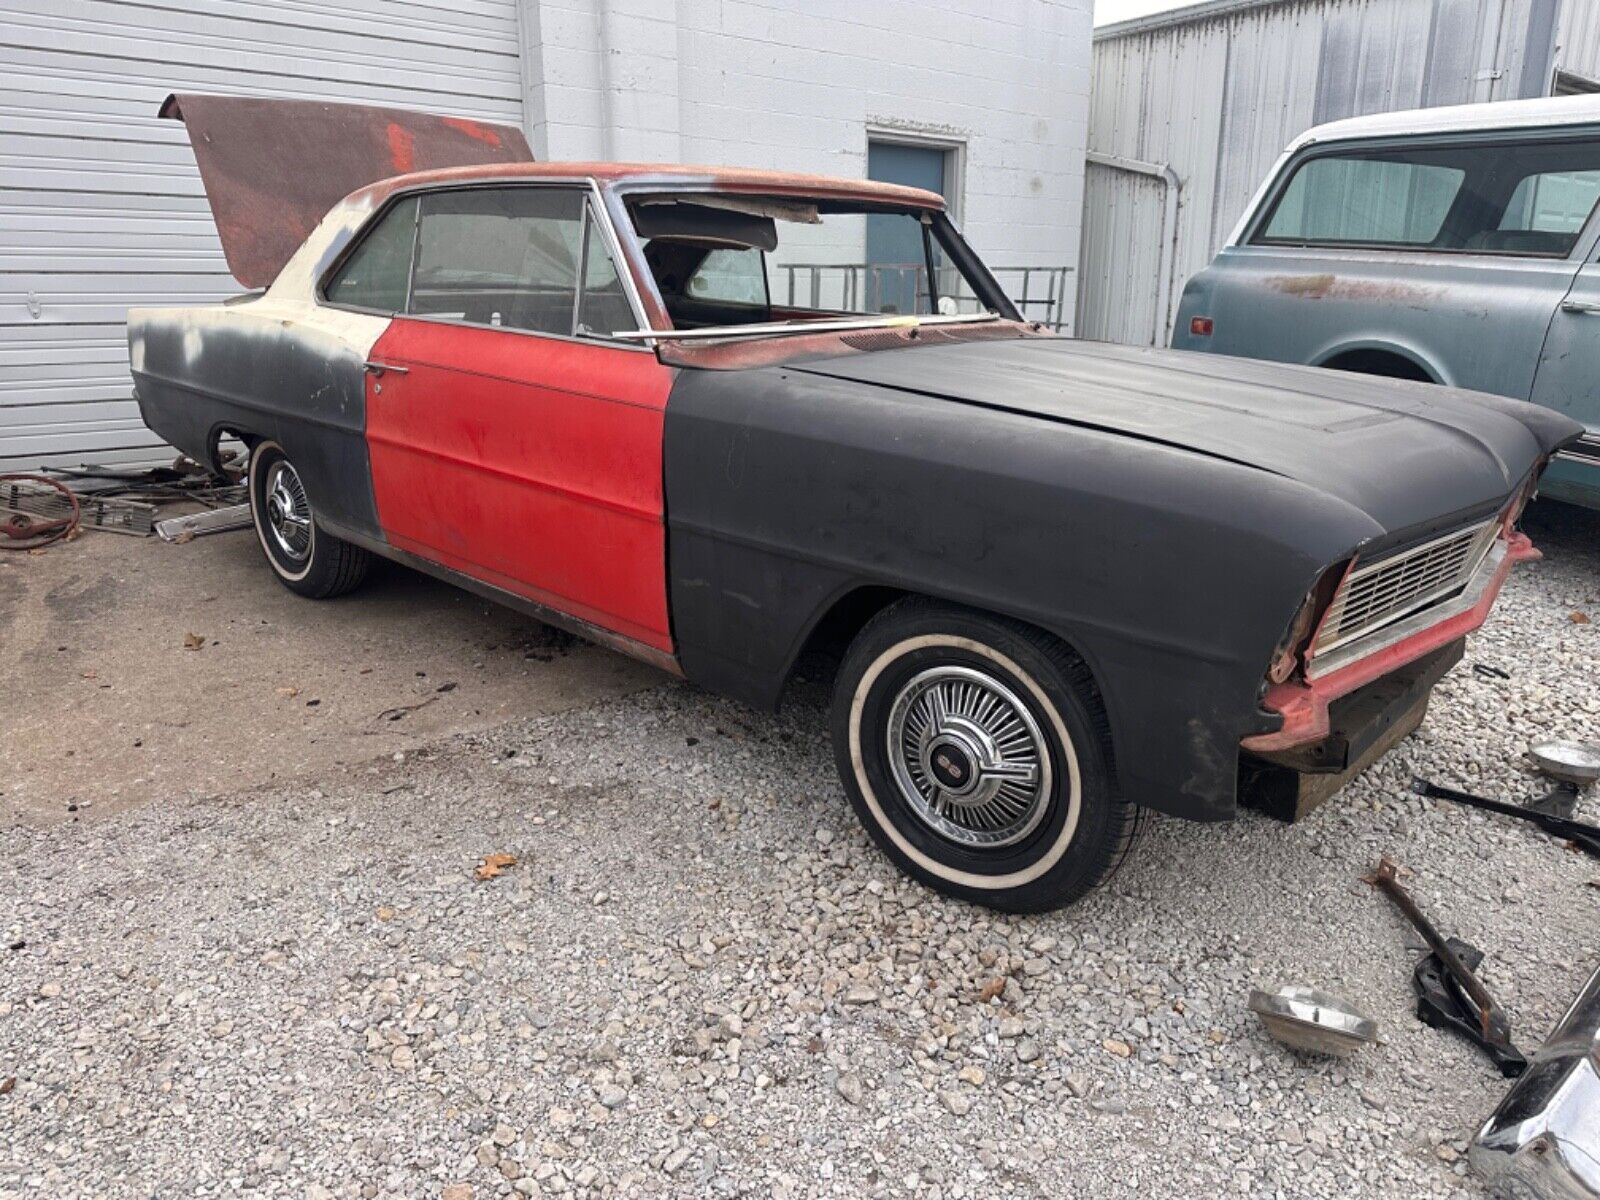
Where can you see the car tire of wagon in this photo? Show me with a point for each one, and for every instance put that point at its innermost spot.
(306, 560)
(976, 752)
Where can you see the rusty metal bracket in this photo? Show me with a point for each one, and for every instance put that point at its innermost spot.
(1449, 995)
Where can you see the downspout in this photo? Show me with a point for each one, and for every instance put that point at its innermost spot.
(1169, 225)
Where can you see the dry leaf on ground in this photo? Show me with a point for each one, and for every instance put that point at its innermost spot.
(194, 641)
(493, 864)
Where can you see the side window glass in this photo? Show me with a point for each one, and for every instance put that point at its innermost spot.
(1364, 201)
(603, 308)
(730, 277)
(1488, 196)
(500, 256)
(377, 272)
(1554, 202)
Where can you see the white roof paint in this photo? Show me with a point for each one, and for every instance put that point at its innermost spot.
(1459, 118)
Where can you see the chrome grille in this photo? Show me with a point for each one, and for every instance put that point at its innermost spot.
(1385, 591)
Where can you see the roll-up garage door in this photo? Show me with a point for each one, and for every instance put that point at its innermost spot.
(101, 205)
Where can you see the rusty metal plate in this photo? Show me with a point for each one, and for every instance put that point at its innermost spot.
(273, 168)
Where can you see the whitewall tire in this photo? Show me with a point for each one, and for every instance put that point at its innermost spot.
(975, 751)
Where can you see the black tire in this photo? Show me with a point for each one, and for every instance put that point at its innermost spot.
(307, 560)
(971, 701)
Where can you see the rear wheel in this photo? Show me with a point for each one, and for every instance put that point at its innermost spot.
(305, 559)
(976, 752)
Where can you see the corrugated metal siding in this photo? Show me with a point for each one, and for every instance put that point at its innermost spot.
(1219, 96)
(101, 206)
(1578, 42)
(1122, 210)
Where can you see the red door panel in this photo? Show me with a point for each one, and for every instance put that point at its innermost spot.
(527, 462)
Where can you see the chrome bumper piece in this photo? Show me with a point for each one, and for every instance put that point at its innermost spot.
(1543, 1142)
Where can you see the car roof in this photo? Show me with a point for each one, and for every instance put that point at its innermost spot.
(668, 176)
(1459, 118)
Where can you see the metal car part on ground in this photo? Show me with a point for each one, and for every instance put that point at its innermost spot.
(1543, 1141)
(1449, 993)
(1312, 1020)
(1065, 584)
(1584, 836)
(35, 511)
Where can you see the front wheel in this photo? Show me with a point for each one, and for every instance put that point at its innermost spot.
(306, 560)
(976, 752)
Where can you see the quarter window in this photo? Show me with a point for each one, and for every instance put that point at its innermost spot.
(1488, 197)
(377, 272)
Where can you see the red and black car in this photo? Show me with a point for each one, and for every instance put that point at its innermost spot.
(1064, 583)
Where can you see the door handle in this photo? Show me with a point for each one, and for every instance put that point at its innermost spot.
(1588, 307)
(380, 368)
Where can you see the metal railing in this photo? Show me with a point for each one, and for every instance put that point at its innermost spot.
(1038, 292)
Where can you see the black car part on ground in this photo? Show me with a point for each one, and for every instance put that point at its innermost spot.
(1584, 836)
(1442, 1004)
(1449, 994)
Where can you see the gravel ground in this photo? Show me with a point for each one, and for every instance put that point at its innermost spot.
(700, 979)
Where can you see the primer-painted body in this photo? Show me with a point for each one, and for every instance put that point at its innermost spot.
(1516, 325)
(709, 507)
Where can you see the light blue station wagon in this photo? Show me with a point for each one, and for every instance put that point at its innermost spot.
(1452, 245)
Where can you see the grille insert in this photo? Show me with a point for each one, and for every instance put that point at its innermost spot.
(1385, 591)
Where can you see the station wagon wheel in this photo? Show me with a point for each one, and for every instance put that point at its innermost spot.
(977, 754)
(306, 559)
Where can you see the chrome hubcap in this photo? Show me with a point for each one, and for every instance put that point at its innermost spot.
(968, 756)
(288, 512)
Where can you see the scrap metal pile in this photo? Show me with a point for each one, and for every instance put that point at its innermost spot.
(57, 503)
(1543, 1140)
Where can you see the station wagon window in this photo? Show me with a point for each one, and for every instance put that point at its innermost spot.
(1554, 202)
(377, 272)
(1367, 201)
(1487, 197)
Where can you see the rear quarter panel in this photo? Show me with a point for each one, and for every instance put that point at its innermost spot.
(288, 373)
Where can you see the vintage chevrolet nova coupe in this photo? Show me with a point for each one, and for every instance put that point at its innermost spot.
(1062, 583)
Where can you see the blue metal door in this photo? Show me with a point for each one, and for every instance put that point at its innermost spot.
(896, 266)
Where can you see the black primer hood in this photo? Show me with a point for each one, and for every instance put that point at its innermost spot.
(1406, 454)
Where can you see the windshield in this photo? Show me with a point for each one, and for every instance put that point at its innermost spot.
(723, 261)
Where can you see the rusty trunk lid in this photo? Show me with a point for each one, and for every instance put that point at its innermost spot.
(273, 168)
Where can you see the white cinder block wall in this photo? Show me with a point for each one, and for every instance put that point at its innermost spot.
(801, 84)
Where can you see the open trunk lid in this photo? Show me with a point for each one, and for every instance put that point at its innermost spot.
(273, 168)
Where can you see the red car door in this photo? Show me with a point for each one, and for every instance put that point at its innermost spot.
(506, 448)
